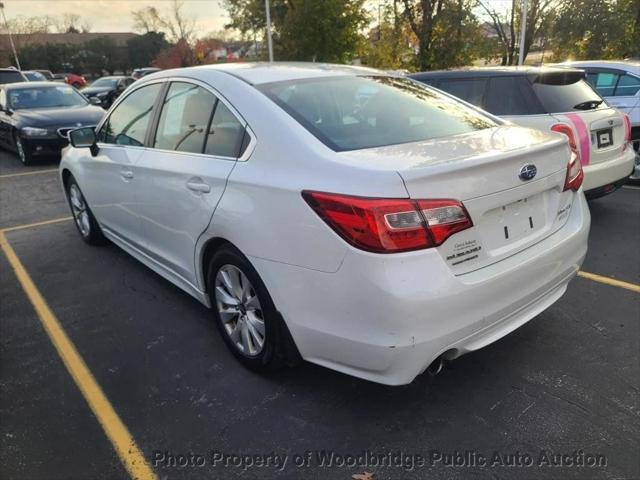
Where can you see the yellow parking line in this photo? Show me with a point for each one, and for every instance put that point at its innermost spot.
(37, 224)
(610, 281)
(33, 172)
(122, 441)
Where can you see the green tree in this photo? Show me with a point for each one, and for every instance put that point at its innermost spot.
(311, 30)
(143, 49)
(591, 29)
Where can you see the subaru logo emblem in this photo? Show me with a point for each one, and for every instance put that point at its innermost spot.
(528, 172)
(78, 124)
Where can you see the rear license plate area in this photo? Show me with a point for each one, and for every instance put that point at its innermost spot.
(604, 138)
(515, 221)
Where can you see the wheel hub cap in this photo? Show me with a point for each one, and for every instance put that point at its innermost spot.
(240, 310)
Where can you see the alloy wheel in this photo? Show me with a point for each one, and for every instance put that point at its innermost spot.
(79, 210)
(240, 310)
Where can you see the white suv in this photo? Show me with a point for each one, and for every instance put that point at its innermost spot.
(555, 99)
(618, 82)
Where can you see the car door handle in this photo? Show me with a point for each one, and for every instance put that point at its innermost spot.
(126, 174)
(198, 186)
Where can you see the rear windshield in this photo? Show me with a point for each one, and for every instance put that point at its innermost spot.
(350, 113)
(559, 98)
(10, 77)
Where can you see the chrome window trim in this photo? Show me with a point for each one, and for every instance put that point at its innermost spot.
(221, 98)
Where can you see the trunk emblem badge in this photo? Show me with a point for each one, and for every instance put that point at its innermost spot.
(528, 171)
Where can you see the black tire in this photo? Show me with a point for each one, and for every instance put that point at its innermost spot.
(24, 154)
(88, 228)
(278, 348)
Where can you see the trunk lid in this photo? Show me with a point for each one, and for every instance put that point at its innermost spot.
(482, 170)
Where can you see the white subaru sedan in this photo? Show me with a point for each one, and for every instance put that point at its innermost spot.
(355, 219)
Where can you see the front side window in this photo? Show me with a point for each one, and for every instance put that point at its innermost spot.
(44, 97)
(628, 86)
(184, 120)
(128, 123)
(349, 113)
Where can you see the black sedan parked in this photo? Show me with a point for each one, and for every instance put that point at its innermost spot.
(35, 117)
(107, 89)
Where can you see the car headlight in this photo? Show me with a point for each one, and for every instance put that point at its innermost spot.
(34, 132)
(102, 94)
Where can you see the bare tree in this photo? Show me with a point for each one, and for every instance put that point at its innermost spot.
(70, 23)
(505, 27)
(172, 22)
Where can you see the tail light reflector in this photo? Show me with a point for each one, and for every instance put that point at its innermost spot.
(389, 225)
(575, 174)
(627, 131)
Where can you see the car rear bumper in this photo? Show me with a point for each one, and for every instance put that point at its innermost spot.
(386, 318)
(605, 173)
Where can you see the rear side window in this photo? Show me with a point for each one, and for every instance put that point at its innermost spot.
(628, 86)
(350, 113)
(129, 122)
(225, 135)
(184, 119)
(511, 96)
(557, 97)
(470, 90)
(8, 76)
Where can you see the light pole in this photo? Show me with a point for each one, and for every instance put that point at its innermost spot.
(269, 41)
(523, 32)
(13, 47)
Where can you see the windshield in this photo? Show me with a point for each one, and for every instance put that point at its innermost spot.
(350, 113)
(44, 97)
(34, 76)
(559, 98)
(105, 82)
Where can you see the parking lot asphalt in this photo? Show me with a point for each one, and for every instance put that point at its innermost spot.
(566, 382)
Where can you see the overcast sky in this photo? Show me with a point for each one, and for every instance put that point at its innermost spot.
(115, 15)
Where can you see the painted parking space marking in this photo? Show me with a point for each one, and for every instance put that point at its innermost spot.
(123, 443)
(610, 281)
(631, 187)
(36, 224)
(34, 172)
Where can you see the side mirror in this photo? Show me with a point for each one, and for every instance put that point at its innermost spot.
(95, 101)
(84, 138)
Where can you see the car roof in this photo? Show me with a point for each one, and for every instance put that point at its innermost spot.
(492, 72)
(620, 64)
(18, 85)
(263, 72)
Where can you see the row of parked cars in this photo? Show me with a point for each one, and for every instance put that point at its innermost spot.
(38, 108)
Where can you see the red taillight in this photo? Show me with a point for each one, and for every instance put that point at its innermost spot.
(387, 225)
(575, 175)
(627, 131)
